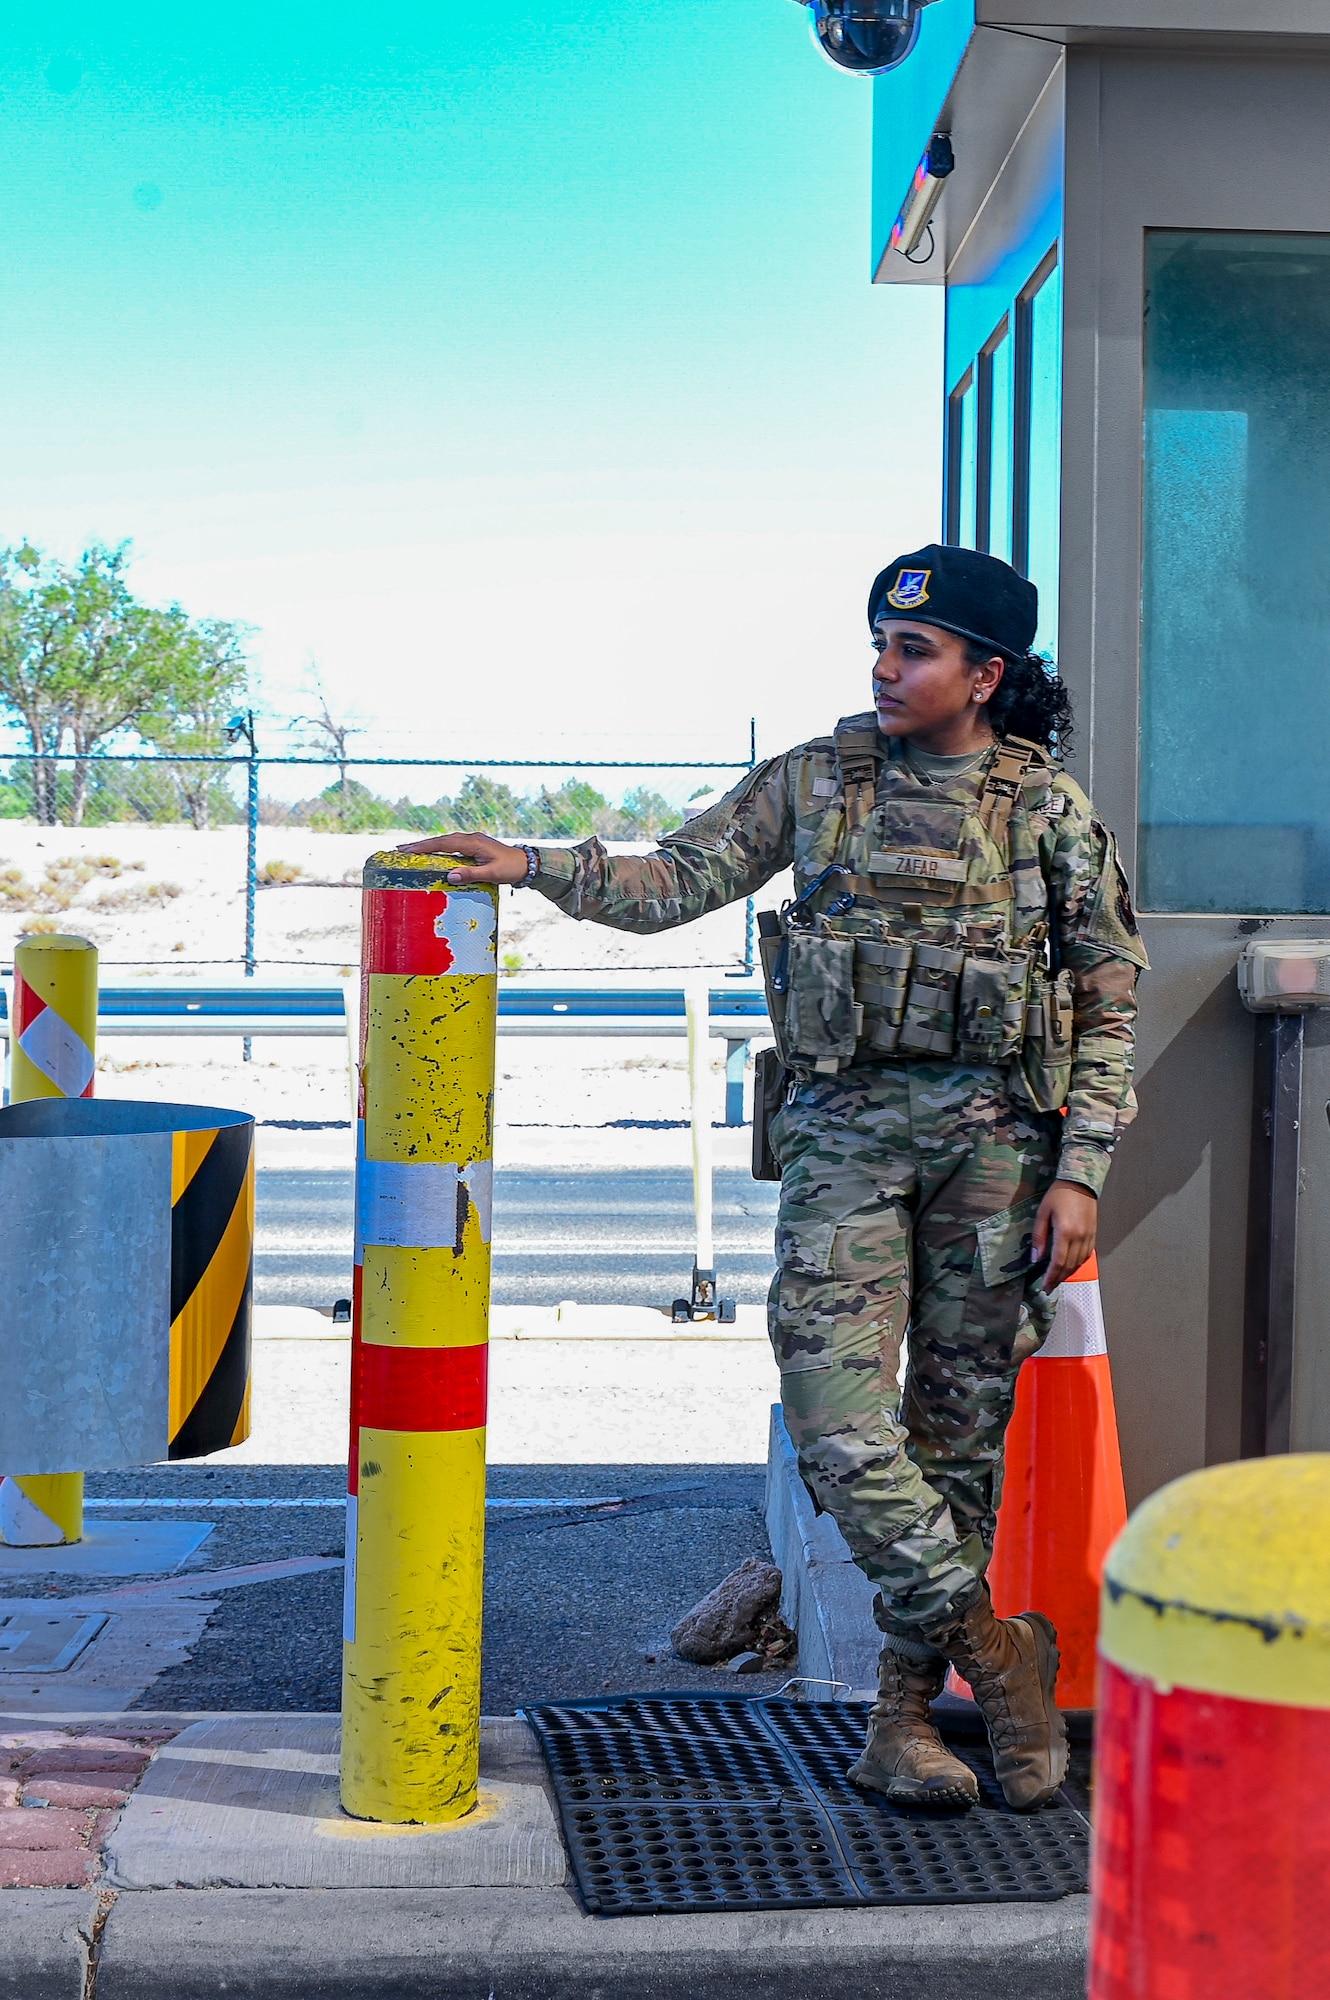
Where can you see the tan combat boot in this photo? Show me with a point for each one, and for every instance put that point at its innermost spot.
(1012, 1667)
(904, 1757)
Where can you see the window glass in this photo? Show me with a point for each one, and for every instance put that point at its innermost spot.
(968, 471)
(962, 461)
(1000, 458)
(1044, 501)
(1235, 664)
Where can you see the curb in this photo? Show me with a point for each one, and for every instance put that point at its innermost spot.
(46, 1937)
(533, 1944)
(519, 1944)
(825, 1598)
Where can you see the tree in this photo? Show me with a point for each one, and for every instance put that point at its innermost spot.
(117, 658)
(188, 719)
(334, 735)
(352, 808)
(81, 657)
(488, 807)
(570, 812)
(31, 609)
(644, 815)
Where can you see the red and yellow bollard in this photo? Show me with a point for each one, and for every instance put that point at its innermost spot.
(416, 1507)
(52, 1054)
(1212, 1837)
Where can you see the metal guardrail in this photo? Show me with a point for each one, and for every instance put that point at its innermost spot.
(249, 1008)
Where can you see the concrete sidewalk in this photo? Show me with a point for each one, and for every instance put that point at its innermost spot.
(217, 1876)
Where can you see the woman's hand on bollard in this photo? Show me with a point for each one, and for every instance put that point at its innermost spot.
(497, 860)
(1065, 1227)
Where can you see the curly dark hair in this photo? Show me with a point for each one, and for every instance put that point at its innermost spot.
(1030, 700)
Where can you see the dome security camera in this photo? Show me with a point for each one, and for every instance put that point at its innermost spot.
(867, 36)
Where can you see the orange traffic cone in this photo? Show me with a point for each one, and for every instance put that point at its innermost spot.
(1062, 1497)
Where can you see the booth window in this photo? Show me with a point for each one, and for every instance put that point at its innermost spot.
(1004, 443)
(1235, 653)
(962, 460)
(993, 485)
(979, 452)
(1037, 471)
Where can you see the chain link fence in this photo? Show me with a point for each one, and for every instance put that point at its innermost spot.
(521, 799)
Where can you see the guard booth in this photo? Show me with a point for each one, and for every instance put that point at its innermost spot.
(1134, 237)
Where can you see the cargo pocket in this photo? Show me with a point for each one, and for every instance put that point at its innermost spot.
(801, 1311)
(871, 1268)
(1004, 1244)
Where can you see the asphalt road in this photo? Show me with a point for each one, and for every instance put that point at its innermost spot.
(602, 1236)
(577, 1601)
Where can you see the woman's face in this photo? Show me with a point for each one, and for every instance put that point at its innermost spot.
(922, 680)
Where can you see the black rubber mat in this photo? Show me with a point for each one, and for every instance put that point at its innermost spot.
(677, 1803)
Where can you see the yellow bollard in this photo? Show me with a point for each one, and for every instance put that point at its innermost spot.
(52, 1054)
(416, 1500)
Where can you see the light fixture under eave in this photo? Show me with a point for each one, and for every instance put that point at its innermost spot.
(925, 192)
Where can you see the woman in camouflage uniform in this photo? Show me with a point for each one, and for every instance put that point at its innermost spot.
(953, 991)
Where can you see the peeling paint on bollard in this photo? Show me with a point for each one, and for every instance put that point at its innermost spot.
(416, 1488)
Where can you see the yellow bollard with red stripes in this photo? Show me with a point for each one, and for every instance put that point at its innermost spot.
(1212, 1838)
(416, 1502)
(52, 1054)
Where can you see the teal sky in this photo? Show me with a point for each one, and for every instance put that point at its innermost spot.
(519, 366)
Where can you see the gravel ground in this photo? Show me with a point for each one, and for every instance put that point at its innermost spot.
(167, 901)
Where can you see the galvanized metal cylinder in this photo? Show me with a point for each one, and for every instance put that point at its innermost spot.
(126, 1243)
(416, 1505)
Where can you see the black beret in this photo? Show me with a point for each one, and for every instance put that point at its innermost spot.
(961, 590)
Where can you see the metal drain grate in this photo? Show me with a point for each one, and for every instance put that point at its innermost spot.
(678, 1803)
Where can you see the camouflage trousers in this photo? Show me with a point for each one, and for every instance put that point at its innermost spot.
(908, 1197)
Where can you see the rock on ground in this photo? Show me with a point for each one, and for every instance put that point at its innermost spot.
(730, 1618)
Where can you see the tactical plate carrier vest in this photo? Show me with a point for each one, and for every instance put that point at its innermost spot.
(924, 930)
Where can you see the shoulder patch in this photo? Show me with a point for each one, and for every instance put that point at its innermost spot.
(711, 829)
(1109, 921)
(1073, 799)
